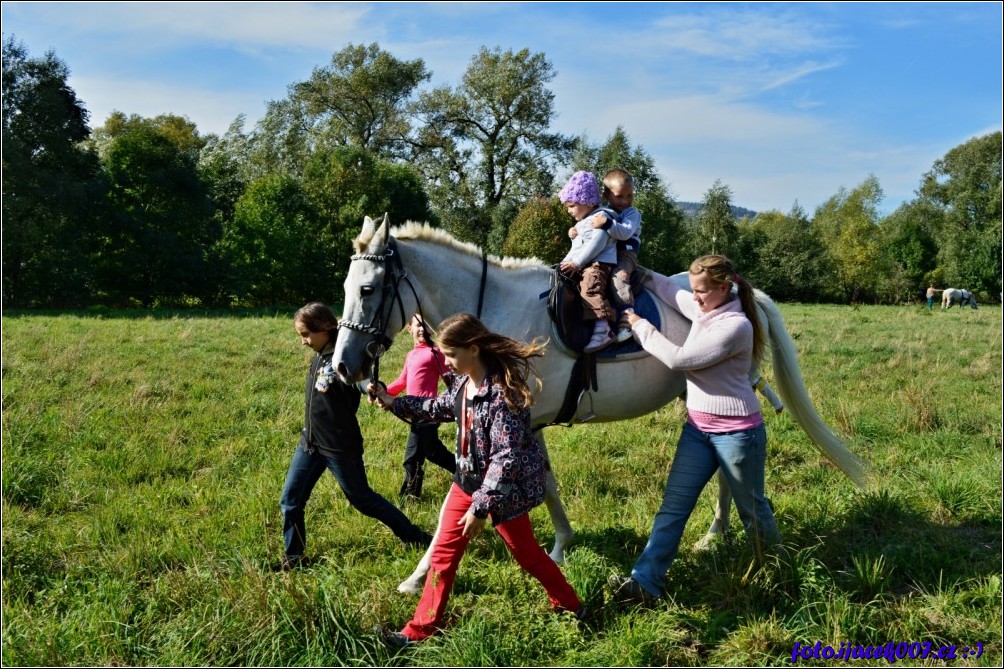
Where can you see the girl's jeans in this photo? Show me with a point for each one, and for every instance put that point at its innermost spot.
(304, 471)
(741, 456)
(448, 550)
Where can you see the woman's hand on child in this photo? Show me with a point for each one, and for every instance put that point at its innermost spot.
(598, 221)
(472, 524)
(631, 317)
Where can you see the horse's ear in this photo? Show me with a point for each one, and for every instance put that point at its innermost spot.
(369, 227)
(382, 233)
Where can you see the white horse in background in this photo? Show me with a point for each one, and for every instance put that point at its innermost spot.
(417, 268)
(958, 296)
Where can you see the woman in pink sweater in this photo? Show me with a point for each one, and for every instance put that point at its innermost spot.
(423, 367)
(724, 428)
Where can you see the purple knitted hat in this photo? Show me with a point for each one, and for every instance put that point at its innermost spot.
(581, 189)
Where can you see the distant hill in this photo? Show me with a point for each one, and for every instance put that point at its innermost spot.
(690, 210)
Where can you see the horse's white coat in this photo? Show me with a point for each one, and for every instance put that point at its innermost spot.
(959, 296)
(446, 275)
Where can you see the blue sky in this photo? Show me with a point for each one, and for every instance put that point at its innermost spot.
(782, 102)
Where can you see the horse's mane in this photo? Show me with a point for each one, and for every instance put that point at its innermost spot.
(425, 232)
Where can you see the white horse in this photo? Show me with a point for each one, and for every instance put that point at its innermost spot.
(958, 296)
(417, 268)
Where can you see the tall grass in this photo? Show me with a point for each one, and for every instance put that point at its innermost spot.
(143, 456)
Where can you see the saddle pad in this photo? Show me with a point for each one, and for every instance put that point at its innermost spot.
(644, 306)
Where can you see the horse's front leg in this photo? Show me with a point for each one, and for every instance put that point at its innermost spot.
(562, 528)
(720, 525)
(413, 584)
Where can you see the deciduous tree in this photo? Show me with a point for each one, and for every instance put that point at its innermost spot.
(786, 259)
(156, 249)
(489, 140)
(52, 186)
(966, 184)
(848, 226)
(275, 250)
(715, 226)
(360, 99)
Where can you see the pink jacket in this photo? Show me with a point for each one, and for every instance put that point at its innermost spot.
(716, 357)
(423, 366)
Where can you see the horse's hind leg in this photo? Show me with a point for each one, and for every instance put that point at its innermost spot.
(720, 525)
(413, 584)
(562, 528)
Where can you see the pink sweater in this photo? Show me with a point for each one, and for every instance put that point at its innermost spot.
(420, 376)
(716, 356)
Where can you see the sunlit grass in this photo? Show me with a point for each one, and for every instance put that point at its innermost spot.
(143, 456)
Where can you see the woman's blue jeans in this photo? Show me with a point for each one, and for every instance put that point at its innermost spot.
(305, 470)
(741, 456)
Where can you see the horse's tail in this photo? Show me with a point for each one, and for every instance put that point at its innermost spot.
(791, 387)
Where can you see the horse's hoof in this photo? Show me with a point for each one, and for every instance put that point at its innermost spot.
(410, 587)
(709, 540)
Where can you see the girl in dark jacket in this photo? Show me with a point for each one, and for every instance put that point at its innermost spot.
(331, 440)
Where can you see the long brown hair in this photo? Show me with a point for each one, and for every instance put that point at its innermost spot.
(722, 271)
(504, 357)
(317, 317)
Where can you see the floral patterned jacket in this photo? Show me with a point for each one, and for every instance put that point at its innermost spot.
(506, 473)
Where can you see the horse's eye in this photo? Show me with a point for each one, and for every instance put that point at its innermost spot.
(365, 291)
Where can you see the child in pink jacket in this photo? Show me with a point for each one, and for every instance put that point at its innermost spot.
(423, 367)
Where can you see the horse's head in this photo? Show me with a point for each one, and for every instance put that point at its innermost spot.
(373, 310)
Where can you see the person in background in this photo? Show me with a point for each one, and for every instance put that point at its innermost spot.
(931, 293)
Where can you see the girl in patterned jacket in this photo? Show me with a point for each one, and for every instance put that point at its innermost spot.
(500, 466)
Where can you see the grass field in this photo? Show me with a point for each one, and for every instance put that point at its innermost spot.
(143, 456)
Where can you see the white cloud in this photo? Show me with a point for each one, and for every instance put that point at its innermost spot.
(800, 72)
(244, 25)
(725, 33)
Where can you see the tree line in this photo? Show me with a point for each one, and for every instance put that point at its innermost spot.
(150, 212)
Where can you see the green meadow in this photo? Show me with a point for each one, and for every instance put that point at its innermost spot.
(144, 454)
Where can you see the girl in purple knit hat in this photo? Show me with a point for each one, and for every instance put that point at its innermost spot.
(592, 257)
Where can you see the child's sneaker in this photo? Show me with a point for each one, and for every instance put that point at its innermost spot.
(623, 334)
(600, 340)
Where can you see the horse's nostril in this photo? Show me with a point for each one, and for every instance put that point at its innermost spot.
(343, 370)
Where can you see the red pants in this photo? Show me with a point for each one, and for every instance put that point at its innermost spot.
(449, 550)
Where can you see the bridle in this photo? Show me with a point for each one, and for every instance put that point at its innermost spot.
(394, 274)
(391, 296)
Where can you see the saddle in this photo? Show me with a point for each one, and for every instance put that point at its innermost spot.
(566, 308)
